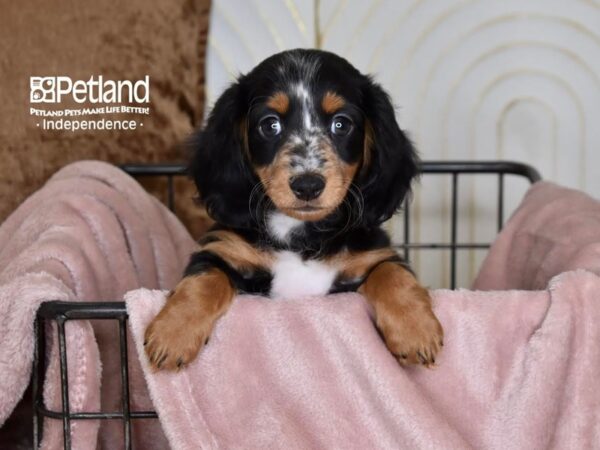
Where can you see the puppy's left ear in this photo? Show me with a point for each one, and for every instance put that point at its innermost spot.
(390, 161)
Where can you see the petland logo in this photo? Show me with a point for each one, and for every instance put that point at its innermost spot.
(124, 102)
(94, 90)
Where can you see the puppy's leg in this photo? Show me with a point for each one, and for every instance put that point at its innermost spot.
(403, 314)
(225, 265)
(183, 326)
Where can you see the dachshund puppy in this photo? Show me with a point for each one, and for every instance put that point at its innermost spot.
(299, 163)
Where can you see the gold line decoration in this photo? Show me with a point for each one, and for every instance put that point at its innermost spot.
(339, 8)
(500, 155)
(456, 82)
(409, 55)
(496, 20)
(279, 43)
(358, 31)
(491, 22)
(473, 267)
(317, 24)
(227, 64)
(291, 6)
(221, 54)
(389, 33)
(544, 74)
(234, 27)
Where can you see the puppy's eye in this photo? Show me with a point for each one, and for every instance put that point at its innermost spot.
(341, 125)
(270, 127)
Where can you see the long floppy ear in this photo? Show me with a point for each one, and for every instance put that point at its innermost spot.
(219, 163)
(390, 161)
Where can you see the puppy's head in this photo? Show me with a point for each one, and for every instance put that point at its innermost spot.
(304, 133)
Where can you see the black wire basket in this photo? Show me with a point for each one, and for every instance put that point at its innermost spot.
(60, 312)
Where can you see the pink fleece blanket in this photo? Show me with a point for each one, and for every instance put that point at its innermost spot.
(519, 369)
(90, 234)
(554, 230)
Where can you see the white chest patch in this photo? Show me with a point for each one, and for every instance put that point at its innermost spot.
(281, 226)
(293, 277)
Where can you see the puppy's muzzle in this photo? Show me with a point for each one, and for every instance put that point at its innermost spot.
(307, 186)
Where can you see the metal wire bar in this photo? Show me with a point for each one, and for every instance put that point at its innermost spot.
(443, 246)
(38, 374)
(453, 231)
(125, 382)
(472, 167)
(170, 193)
(500, 201)
(61, 312)
(82, 310)
(64, 381)
(507, 167)
(98, 415)
(169, 169)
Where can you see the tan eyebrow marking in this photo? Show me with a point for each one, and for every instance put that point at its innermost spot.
(332, 102)
(279, 101)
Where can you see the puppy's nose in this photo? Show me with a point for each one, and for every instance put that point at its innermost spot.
(308, 186)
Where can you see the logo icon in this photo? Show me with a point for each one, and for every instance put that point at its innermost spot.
(42, 89)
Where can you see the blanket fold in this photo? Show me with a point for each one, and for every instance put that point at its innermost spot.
(90, 234)
(516, 371)
(554, 230)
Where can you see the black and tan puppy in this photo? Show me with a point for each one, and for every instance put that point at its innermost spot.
(300, 162)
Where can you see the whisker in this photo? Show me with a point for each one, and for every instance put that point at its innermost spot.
(255, 191)
(360, 201)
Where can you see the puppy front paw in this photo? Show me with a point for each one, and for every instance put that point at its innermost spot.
(176, 334)
(410, 329)
(183, 326)
(173, 338)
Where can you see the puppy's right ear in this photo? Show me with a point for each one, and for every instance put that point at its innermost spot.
(219, 163)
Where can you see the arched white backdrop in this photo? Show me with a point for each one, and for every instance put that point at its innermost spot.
(471, 79)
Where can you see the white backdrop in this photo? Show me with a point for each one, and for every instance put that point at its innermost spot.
(472, 79)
